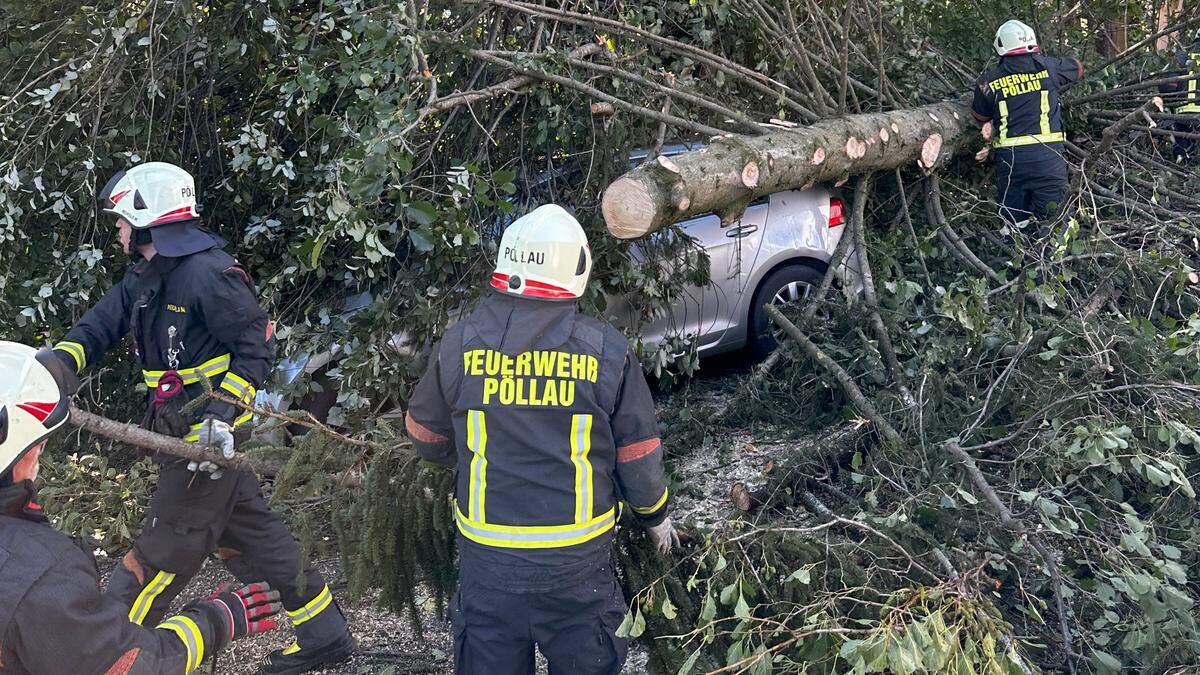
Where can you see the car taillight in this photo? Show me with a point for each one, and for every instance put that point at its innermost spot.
(836, 212)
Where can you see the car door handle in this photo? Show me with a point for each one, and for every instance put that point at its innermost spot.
(741, 231)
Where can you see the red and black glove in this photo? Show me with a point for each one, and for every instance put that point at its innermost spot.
(244, 611)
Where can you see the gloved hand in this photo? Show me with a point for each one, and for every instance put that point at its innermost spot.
(244, 611)
(216, 435)
(66, 378)
(664, 535)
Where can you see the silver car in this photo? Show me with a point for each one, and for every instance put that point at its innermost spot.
(776, 253)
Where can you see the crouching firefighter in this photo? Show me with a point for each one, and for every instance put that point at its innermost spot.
(1018, 102)
(548, 418)
(193, 315)
(54, 621)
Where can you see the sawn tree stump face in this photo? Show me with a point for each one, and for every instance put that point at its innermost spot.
(734, 170)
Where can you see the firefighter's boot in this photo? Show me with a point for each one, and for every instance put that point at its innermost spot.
(322, 639)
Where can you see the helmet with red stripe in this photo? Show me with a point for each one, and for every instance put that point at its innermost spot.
(32, 405)
(544, 254)
(1015, 37)
(150, 195)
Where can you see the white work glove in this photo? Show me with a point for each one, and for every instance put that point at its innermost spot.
(664, 535)
(218, 437)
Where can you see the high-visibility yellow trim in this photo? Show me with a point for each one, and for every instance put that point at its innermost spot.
(209, 369)
(581, 445)
(242, 419)
(1003, 105)
(313, 608)
(1189, 108)
(1045, 120)
(141, 606)
(1032, 139)
(192, 638)
(651, 509)
(76, 351)
(292, 650)
(534, 536)
(477, 443)
(238, 386)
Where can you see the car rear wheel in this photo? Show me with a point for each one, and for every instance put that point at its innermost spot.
(787, 286)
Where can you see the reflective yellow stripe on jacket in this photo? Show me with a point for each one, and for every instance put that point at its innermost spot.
(243, 391)
(1193, 96)
(189, 634)
(209, 369)
(534, 536)
(1046, 135)
(76, 351)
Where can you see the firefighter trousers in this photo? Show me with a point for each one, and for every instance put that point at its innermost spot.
(574, 627)
(192, 516)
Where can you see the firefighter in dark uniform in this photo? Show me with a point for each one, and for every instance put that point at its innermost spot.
(53, 620)
(548, 418)
(1184, 98)
(1018, 103)
(193, 315)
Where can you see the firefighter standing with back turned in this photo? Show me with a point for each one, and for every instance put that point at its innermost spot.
(193, 314)
(53, 620)
(1018, 103)
(1185, 98)
(548, 418)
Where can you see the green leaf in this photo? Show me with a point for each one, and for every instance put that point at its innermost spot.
(742, 610)
(668, 609)
(422, 213)
(688, 664)
(1106, 662)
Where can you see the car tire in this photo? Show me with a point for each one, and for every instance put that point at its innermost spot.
(786, 285)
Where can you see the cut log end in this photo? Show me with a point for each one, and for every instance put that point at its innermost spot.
(750, 175)
(603, 109)
(818, 157)
(884, 135)
(931, 150)
(855, 148)
(666, 163)
(1158, 103)
(629, 207)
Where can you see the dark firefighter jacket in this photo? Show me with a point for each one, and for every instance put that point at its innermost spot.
(1020, 97)
(196, 314)
(550, 422)
(1187, 98)
(54, 620)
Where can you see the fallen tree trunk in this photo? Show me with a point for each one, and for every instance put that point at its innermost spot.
(734, 170)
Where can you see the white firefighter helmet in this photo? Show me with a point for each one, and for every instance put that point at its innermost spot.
(1015, 37)
(544, 254)
(150, 195)
(32, 405)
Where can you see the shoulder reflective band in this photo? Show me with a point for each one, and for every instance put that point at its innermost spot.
(189, 634)
(477, 443)
(76, 351)
(145, 599)
(534, 536)
(581, 445)
(209, 369)
(651, 509)
(313, 608)
(1056, 137)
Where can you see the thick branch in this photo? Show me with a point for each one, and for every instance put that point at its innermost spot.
(141, 438)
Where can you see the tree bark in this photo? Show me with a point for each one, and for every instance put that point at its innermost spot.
(734, 170)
